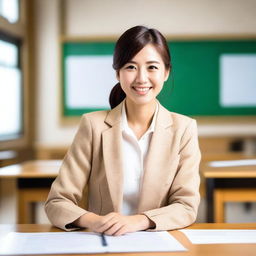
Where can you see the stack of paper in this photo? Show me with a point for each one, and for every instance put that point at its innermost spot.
(220, 236)
(231, 163)
(86, 242)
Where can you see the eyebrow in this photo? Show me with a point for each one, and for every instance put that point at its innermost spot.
(148, 62)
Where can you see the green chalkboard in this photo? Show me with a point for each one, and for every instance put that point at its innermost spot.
(193, 87)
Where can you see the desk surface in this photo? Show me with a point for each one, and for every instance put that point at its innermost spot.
(193, 249)
(228, 172)
(32, 169)
(50, 169)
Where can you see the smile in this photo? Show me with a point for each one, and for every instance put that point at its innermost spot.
(142, 89)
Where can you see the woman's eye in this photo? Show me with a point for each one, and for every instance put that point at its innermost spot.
(153, 67)
(130, 67)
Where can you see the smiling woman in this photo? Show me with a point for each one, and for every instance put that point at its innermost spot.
(144, 76)
(156, 52)
(139, 161)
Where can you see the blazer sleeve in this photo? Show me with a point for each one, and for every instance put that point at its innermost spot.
(67, 190)
(183, 196)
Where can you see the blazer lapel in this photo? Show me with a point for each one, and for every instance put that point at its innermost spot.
(112, 156)
(157, 164)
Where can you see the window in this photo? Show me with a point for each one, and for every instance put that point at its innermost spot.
(11, 106)
(9, 9)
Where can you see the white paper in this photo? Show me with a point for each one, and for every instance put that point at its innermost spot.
(86, 242)
(238, 80)
(220, 236)
(55, 163)
(231, 163)
(89, 81)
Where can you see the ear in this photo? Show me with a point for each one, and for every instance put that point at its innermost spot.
(117, 76)
(166, 76)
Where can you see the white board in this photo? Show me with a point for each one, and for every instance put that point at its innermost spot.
(238, 80)
(89, 80)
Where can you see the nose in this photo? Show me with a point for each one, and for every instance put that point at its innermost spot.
(141, 76)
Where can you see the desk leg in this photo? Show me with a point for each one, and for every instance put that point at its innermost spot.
(25, 210)
(210, 185)
(27, 199)
(223, 195)
(31, 191)
(219, 199)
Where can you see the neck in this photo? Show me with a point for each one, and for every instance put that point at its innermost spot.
(140, 114)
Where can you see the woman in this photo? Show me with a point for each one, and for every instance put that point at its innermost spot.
(139, 161)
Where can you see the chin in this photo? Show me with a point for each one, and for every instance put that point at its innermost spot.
(144, 101)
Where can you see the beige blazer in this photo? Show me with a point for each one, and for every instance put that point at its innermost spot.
(170, 189)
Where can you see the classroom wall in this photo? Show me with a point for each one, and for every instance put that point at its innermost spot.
(112, 17)
(174, 17)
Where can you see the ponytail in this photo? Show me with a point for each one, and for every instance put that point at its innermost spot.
(116, 96)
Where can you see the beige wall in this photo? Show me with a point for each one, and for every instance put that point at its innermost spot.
(112, 17)
(172, 17)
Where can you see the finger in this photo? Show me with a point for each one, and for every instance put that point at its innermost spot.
(104, 221)
(113, 229)
(122, 231)
(109, 224)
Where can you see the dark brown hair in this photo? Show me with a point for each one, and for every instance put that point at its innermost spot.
(128, 45)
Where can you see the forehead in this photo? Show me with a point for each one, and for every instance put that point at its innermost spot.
(148, 53)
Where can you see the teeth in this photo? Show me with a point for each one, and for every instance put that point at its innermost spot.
(141, 89)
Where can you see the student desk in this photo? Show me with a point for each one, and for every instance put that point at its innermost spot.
(33, 179)
(227, 184)
(193, 249)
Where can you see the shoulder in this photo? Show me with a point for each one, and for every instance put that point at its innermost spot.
(179, 119)
(106, 117)
(95, 118)
(97, 115)
(175, 119)
(184, 125)
(184, 128)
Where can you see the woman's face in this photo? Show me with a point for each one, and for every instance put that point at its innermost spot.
(143, 77)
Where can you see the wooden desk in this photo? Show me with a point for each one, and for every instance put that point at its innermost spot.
(34, 179)
(193, 249)
(227, 184)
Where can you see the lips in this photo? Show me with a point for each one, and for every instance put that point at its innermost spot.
(142, 89)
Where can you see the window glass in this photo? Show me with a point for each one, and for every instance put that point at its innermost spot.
(9, 9)
(8, 54)
(11, 123)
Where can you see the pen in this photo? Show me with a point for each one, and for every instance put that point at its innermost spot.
(103, 240)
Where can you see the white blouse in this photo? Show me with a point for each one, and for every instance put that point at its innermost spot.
(134, 155)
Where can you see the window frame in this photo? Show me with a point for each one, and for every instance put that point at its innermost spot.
(23, 31)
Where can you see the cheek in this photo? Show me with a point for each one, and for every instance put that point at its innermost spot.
(126, 79)
(159, 79)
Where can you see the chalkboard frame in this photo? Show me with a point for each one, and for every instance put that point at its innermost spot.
(172, 86)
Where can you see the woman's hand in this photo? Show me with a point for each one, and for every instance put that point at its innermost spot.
(114, 223)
